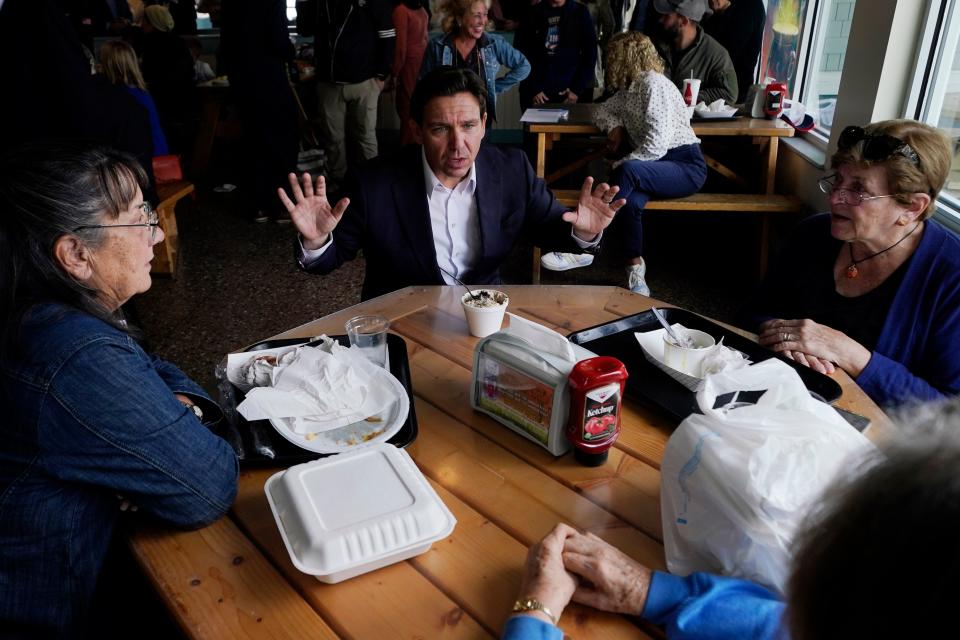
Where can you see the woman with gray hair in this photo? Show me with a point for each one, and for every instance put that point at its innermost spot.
(89, 415)
(879, 559)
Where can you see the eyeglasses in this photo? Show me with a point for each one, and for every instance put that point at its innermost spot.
(153, 221)
(876, 148)
(847, 196)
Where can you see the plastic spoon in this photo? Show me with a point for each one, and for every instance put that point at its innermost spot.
(687, 342)
(460, 282)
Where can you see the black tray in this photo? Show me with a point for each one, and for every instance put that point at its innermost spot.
(287, 453)
(651, 386)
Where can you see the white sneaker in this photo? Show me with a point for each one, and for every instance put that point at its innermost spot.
(636, 282)
(556, 261)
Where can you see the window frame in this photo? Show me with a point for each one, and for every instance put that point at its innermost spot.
(931, 78)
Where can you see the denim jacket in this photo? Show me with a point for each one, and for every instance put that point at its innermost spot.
(494, 51)
(88, 416)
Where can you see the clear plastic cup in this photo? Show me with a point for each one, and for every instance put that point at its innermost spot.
(369, 334)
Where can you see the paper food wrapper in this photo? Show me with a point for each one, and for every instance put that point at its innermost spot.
(320, 388)
(717, 107)
(722, 358)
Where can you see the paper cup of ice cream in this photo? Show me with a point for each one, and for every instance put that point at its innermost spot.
(484, 309)
(688, 360)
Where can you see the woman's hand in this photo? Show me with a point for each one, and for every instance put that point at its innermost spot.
(312, 214)
(540, 98)
(569, 97)
(610, 580)
(614, 139)
(544, 577)
(814, 345)
(595, 210)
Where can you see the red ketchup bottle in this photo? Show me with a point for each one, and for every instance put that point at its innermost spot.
(774, 95)
(596, 390)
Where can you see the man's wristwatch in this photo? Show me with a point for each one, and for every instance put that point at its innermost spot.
(532, 604)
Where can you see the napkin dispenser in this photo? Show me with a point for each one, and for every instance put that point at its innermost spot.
(523, 386)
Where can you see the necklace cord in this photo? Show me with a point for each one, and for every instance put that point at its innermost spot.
(854, 263)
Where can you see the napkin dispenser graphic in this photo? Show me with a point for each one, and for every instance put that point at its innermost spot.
(520, 380)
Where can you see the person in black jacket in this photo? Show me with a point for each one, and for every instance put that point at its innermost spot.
(559, 40)
(738, 26)
(353, 43)
(254, 51)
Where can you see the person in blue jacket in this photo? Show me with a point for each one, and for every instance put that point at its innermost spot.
(879, 560)
(92, 423)
(465, 44)
(873, 287)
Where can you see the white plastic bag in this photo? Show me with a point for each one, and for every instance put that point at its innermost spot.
(737, 481)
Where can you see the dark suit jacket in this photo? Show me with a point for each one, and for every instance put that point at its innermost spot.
(389, 219)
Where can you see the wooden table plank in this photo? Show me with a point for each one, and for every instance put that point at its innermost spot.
(480, 564)
(217, 584)
(625, 487)
(518, 497)
(393, 602)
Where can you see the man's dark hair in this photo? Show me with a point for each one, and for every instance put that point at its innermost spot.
(443, 82)
(881, 561)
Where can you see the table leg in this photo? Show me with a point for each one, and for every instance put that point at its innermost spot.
(541, 154)
(770, 170)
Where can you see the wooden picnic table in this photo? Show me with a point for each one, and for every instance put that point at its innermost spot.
(234, 579)
(758, 191)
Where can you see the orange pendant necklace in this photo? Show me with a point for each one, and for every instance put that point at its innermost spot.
(853, 271)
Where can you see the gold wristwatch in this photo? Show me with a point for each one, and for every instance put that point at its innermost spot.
(532, 604)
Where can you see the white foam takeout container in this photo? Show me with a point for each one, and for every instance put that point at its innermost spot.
(351, 513)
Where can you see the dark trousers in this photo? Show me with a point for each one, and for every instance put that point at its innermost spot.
(681, 172)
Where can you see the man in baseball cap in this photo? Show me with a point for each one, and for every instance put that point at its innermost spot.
(688, 52)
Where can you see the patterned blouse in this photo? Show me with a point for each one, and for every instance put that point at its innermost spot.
(654, 115)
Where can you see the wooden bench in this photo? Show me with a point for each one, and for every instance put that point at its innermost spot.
(733, 202)
(165, 254)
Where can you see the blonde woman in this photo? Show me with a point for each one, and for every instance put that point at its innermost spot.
(648, 129)
(465, 44)
(118, 62)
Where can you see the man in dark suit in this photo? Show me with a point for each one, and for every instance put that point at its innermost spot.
(447, 209)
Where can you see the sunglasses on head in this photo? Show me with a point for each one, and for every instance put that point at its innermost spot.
(876, 148)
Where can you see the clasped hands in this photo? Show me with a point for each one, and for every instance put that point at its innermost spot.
(814, 345)
(568, 565)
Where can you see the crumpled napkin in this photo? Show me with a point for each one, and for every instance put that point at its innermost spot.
(322, 388)
(714, 108)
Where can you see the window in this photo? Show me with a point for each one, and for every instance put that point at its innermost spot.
(938, 93)
(827, 53)
(805, 45)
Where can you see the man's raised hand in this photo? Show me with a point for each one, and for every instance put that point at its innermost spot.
(310, 210)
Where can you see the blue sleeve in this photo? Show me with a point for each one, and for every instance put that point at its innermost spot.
(112, 422)
(178, 382)
(702, 606)
(514, 60)
(529, 628)
(889, 382)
